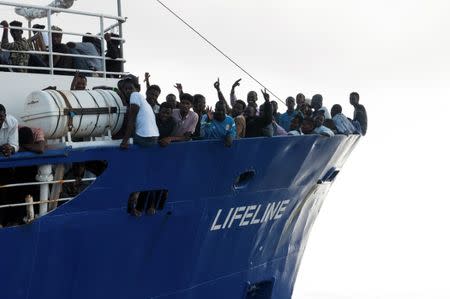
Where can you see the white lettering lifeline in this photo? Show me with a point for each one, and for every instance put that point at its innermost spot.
(249, 215)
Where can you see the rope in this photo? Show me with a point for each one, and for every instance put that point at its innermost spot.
(220, 51)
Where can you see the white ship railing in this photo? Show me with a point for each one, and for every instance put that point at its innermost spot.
(43, 204)
(45, 183)
(101, 35)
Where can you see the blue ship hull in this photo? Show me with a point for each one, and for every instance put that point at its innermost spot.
(92, 248)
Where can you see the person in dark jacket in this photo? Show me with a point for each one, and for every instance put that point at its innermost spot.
(113, 52)
(256, 125)
(360, 114)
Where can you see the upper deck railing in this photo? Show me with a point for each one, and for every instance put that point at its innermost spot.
(50, 53)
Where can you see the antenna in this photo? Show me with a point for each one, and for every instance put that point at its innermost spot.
(220, 51)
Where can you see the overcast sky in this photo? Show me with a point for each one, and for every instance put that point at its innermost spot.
(383, 232)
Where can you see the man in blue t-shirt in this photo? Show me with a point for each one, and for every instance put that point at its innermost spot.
(287, 117)
(218, 125)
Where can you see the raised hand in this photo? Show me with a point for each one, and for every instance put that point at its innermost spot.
(266, 95)
(4, 24)
(178, 86)
(237, 83)
(217, 84)
(147, 78)
(210, 113)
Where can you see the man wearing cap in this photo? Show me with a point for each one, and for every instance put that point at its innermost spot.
(19, 44)
(9, 134)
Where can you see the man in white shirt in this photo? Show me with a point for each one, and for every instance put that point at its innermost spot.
(9, 134)
(141, 118)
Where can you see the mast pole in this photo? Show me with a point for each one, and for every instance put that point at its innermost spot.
(119, 13)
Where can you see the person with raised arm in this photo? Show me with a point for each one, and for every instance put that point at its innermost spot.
(152, 93)
(256, 125)
(233, 97)
(221, 97)
(185, 118)
(19, 44)
(218, 125)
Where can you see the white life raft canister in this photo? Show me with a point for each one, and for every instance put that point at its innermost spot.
(87, 113)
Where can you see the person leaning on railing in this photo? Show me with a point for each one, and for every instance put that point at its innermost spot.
(9, 135)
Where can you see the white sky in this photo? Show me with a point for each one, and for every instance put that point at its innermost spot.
(383, 231)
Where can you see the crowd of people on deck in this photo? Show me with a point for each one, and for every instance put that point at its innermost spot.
(90, 45)
(149, 122)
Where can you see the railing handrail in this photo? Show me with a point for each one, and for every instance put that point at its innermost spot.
(34, 203)
(64, 54)
(47, 183)
(65, 32)
(50, 31)
(70, 11)
(60, 69)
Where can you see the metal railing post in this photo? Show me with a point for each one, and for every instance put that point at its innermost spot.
(50, 40)
(119, 13)
(102, 30)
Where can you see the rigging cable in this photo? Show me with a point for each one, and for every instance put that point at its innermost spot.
(220, 51)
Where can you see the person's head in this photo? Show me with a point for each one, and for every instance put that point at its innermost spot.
(220, 112)
(172, 100)
(336, 109)
(81, 82)
(261, 109)
(186, 101)
(165, 111)
(306, 109)
(250, 111)
(38, 26)
(130, 83)
(354, 98)
(307, 125)
(329, 123)
(238, 108)
(152, 94)
(25, 136)
(16, 33)
(252, 97)
(274, 107)
(296, 122)
(290, 103)
(2, 115)
(199, 103)
(316, 101)
(56, 36)
(128, 87)
(300, 99)
(318, 120)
